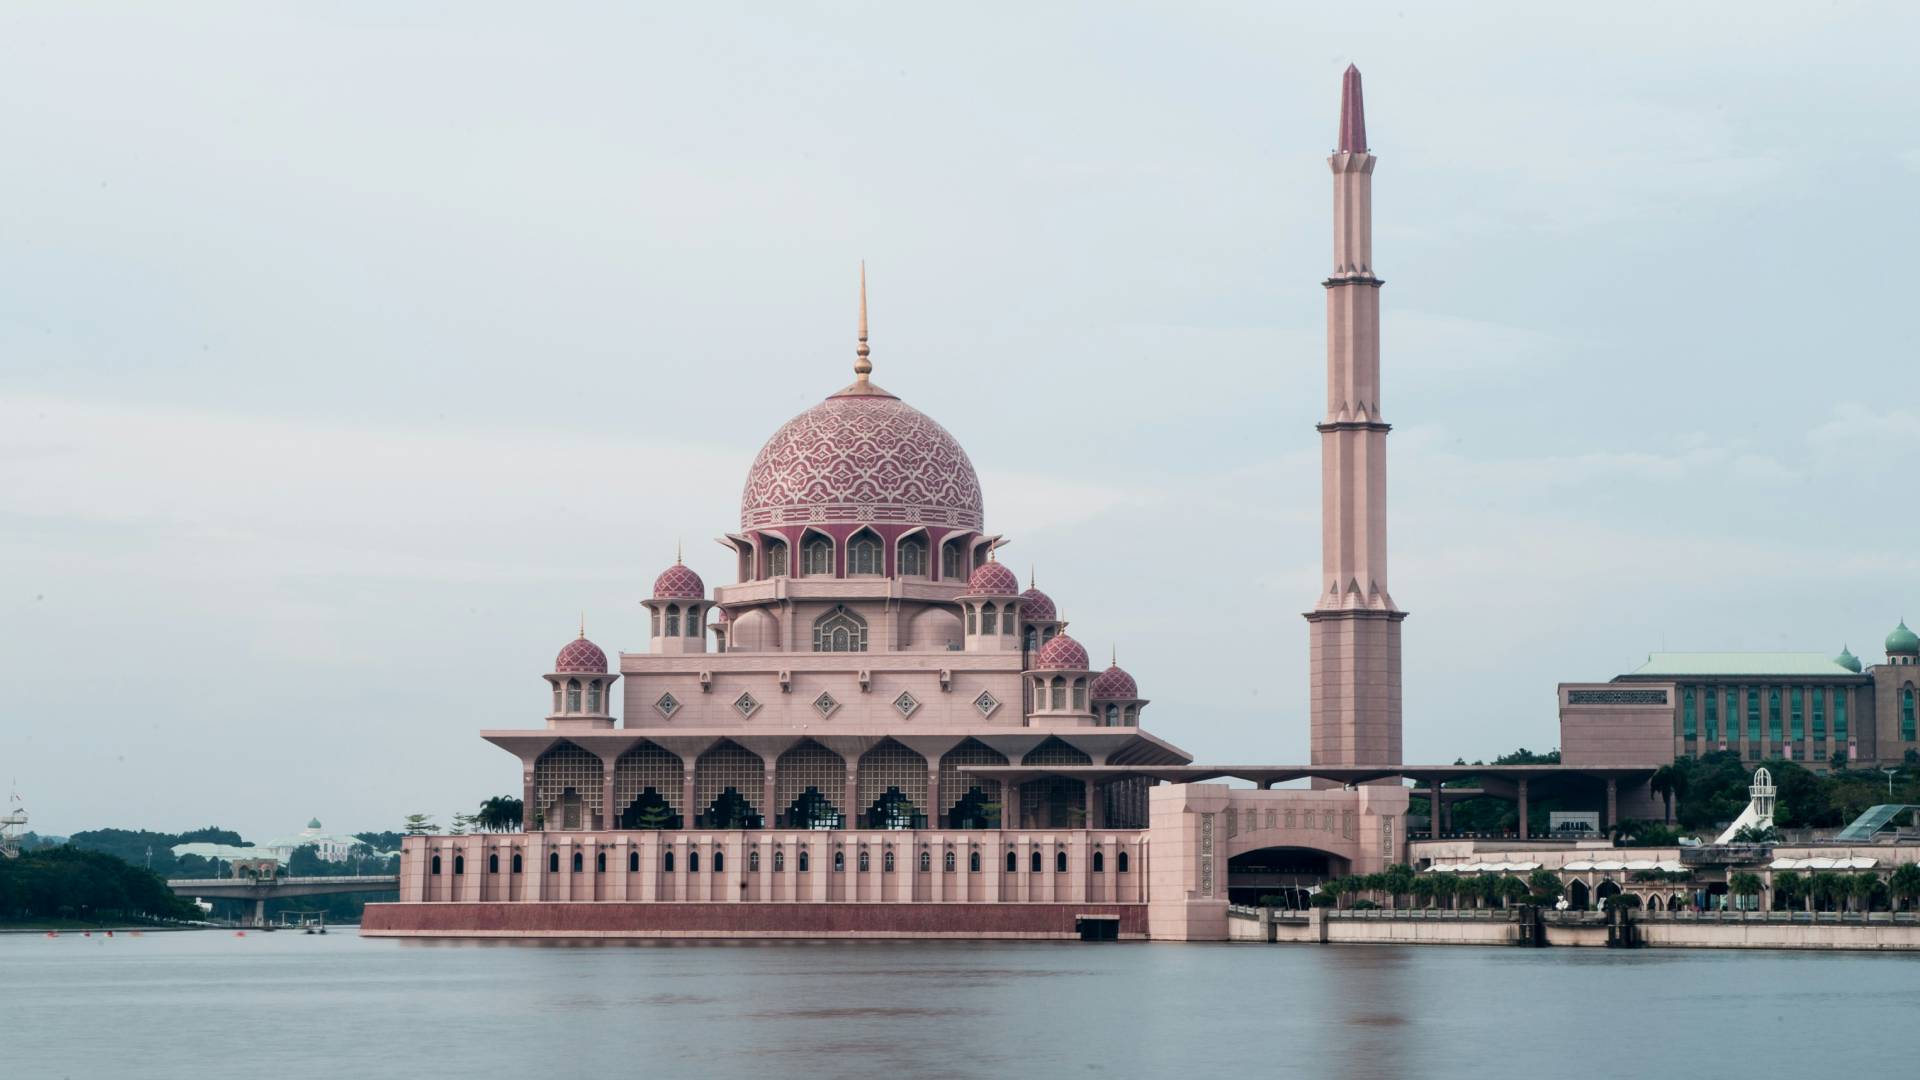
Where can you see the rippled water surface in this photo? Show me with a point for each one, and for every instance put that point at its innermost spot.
(213, 1005)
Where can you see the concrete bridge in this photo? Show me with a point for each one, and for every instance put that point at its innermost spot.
(263, 889)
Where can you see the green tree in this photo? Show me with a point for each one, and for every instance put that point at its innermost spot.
(1397, 882)
(1861, 889)
(1905, 883)
(1670, 783)
(1744, 884)
(420, 825)
(1757, 834)
(1789, 889)
(1544, 884)
(1826, 887)
(501, 813)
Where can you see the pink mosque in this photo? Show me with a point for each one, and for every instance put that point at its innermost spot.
(874, 730)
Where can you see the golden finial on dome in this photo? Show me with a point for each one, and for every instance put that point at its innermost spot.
(862, 366)
(583, 623)
(678, 551)
(1113, 657)
(1030, 575)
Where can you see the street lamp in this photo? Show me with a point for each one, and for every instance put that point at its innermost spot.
(1889, 773)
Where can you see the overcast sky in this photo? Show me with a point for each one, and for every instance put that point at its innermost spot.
(349, 351)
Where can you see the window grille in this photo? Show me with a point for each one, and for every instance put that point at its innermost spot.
(913, 557)
(809, 783)
(727, 781)
(566, 769)
(947, 861)
(950, 561)
(886, 862)
(779, 860)
(864, 556)
(573, 695)
(819, 557)
(989, 620)
(648, 768)
(673, 620)
(1079, 695)
(840, 630)
(892, 786)
(863, 860)
(839, 862)
(753, 861)
(974, 802)
(777, 559)
(926, 860)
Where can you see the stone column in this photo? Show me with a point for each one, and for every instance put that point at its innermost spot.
(1009, 804)
(1433, 808)
(768, 810)
(1523, 807)
(1091, 816)
(609, 817)
(686, 794)
(850, 806)
(1613, 802)
(527, 799)
(936, 819)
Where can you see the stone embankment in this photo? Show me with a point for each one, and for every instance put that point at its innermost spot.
(1879, 931)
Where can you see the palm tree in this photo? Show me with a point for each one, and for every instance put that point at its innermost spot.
(1789, 888)
(1826, 887)
(1861, 887)
(1905, 882)
(1670, 783)
(1744, 884)
(502, 813)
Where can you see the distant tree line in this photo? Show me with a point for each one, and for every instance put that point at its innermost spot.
(90, 886)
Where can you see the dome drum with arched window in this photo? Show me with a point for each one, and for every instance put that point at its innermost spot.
(910, 552)
(1058, 686)
(582, 687)
(1116, 698)
(990, 609)
(677, 611)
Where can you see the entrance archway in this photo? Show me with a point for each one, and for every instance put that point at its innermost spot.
(1579, 897)
(1284, 873)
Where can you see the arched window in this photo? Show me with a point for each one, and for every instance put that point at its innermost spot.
(719, 861)
(633, 862)
(819, 556)
(1099, 862)
(493, 864)
(926, 860)
(600, 862)
(913, 557)
(656, 622)
(673, 620)
(436, 864)
(1059, 692)
(989, 619)
(556, 697)
(593, 696)
(950, 561)
(516, 862)
(666, 862)
(863, 555)
(886, 862)
(693, 862)
(973, 862)
(777, 559)
(1120, 862)
(579, 862)
(840, 630)
(947, 862)
(1013, 861)
(1033, 864)
(1079, 694)
(1130, 715)
(553, 862)
(779, 860)
(753, 861)
(973, 623)
(1031, 640)
(693, 621)
(1113, 715)
(863, 860)
(803, 860)
(839, 862)
(573, 695)
(1060, 862)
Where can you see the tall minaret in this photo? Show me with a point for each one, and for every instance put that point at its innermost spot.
(1355, 625)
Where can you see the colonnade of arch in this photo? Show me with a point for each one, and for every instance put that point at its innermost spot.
(809, 785)
(866, 552)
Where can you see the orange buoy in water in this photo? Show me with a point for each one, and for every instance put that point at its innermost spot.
(239, 933)
(53, 933)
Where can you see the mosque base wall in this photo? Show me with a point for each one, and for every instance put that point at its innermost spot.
(590, 919)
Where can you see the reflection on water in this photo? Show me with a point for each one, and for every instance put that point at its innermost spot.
(214, 1006)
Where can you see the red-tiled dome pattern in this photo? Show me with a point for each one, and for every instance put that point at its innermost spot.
(993, 579)
(861, 458)
(1062, 654)
(1037, 606)
(580, 657)
(678, 582)
(1114, 684)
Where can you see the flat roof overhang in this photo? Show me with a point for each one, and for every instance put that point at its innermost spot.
(1117, 747)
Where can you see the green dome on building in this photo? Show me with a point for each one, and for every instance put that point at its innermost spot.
(315, 823)
(1902, 640)
(1847, 660)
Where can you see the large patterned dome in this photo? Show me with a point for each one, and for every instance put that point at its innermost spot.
(862, 455)
(581, 656)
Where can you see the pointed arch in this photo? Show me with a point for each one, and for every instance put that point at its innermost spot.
(866, 554)
(892, 787)
(912, 556)
(567, 787)
(728, 779)
(647, 784)
(975, 802)
(809, 783)
(840, 630)
(816, 554)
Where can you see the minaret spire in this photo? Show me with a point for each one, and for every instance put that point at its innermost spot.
(1353, 113)
(1355, 623)
(862, 367)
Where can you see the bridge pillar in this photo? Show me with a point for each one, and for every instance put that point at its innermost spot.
(259, 912)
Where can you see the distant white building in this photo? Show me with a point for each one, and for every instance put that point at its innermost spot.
(327, 846)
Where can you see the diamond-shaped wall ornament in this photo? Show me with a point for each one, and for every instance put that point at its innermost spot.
(906, 703)
(986, 703)
(745, 704)
(824, 704)
(668, 705)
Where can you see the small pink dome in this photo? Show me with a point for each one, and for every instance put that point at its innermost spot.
(1062, 654)
(677, 582)
(581, 657)
(993, 579)
(1037, 606)
(1114, 684)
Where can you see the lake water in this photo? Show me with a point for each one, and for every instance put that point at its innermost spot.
(213, 1005)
